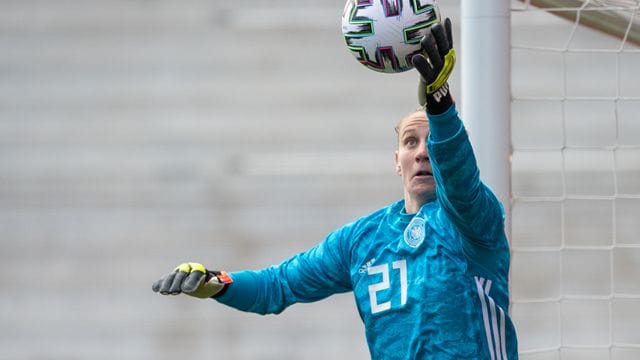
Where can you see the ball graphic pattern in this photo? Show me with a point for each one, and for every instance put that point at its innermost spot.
(383, 35)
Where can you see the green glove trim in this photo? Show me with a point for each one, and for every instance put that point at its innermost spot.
(184, 267)
(443, 76)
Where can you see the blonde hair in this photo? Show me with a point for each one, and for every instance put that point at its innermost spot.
(400, 122)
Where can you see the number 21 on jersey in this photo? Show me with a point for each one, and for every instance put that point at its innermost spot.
(398, 271)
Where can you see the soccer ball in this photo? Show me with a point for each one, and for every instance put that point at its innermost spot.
(383, 35)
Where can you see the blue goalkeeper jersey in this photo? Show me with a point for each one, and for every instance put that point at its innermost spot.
(430, 285)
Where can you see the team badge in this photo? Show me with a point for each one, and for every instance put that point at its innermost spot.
(414, 233)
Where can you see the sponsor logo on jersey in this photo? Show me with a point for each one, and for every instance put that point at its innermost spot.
(364, 268)
(414, 233)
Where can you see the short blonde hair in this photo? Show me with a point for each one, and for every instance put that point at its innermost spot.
(398, 126)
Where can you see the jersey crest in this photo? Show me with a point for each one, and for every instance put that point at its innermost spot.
(414, 232)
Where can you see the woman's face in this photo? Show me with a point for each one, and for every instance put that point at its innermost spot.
(412, 160)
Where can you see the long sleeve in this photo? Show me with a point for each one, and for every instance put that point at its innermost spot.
(470, 204)
(309, 276)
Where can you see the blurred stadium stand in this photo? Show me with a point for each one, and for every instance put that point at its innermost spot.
(135, 135)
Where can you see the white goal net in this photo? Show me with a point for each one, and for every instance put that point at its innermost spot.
(576, 178)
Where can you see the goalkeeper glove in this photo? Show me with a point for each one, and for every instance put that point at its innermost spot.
(435, 65)
(193, 279)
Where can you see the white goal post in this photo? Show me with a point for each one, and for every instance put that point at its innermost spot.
(485, 90)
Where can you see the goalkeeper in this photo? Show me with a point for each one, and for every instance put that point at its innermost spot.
(428, 272)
